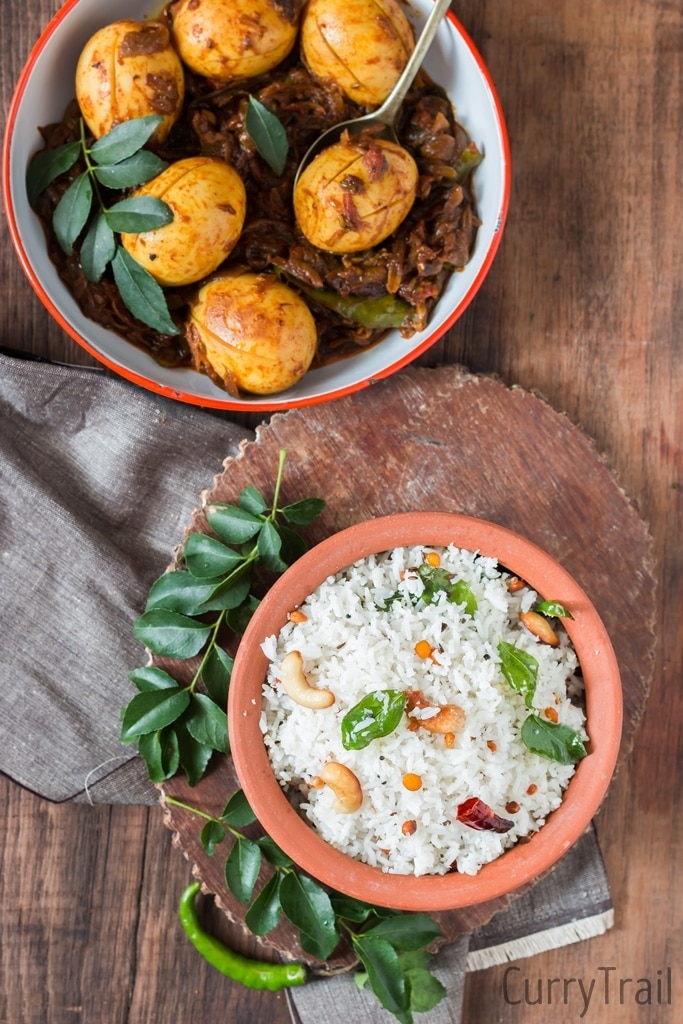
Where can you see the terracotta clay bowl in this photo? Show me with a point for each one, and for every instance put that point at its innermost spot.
(522, 862)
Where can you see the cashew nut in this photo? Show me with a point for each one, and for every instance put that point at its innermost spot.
(449, 718)
(344, 785)
(297, 686)
(296, 615)
(540, 627)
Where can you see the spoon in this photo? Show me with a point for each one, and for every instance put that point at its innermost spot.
(386, 114)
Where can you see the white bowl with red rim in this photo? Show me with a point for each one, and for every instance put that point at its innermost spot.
(45, 87)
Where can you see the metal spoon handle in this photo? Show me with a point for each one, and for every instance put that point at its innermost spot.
(389, 109)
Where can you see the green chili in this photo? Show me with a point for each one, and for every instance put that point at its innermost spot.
(378, 313)
(252, 973)
(470, 158)
(381, 312)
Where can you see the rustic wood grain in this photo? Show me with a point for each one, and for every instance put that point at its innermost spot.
(584, 305)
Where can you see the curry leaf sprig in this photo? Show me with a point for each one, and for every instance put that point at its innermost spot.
(178, 726)
(390, 944)
(117, 161)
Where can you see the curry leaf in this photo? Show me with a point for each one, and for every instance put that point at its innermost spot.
(207, 557)
(385, 975)
(141, 294)
(151, 678)
(425, 990)
(98, 248)
(293, 544)
(553, 609)
(406, 931)
(180, 591)
(273, 854)
(437, 580)
(377, 714)
(124, 140)
(308, 907)
(242, 868)
(269, 545)
(391, 944)
(231, 592)
(207, 723)
(552, 740)
(301, 513)
(251, 500)
(520, 669)
(264, 913)
(159, 751)
(152, 710)
(47, 166)
(414, 959)
(170, 752)
(349, 909)
(238, 618)
(268, 134)
(461, 593)
(170, 633)
(237, 811)
(138, 213)
(232, 524)
(133, 171)
(72, 212)
(216, 672)
(211, 835)
(194, 756)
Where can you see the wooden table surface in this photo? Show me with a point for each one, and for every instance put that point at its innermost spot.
(584, 304)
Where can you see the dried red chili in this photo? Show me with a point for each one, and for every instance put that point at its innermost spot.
(476, 814)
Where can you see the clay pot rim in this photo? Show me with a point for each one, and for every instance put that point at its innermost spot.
(524, 861)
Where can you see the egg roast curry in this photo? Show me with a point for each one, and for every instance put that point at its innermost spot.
(263, 279)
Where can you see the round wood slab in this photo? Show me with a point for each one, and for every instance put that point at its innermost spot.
(444, 440)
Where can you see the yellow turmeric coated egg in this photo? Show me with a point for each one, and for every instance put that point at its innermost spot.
(251, 332)
(129, 69)
(209, 203)
(361, 45)
(355, 194)
(234, 39)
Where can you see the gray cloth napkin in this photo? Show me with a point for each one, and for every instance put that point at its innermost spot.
(97, 482)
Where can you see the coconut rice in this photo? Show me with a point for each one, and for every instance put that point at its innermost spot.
(360, 632)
